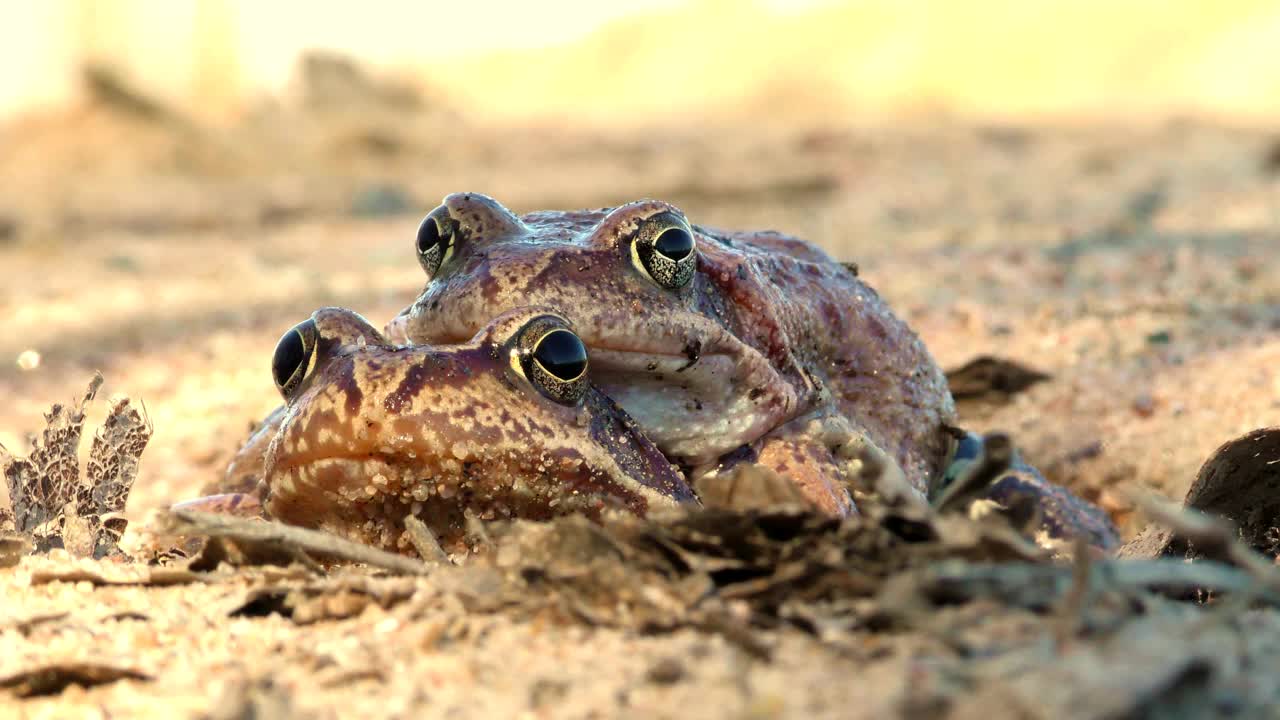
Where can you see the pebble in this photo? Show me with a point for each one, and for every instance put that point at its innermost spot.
(381, 201)
(1144, 405)
(8, 230)
(28, 360)
(1114, 502)
(666, 671)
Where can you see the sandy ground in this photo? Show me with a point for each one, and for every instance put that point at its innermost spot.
(1134, 264)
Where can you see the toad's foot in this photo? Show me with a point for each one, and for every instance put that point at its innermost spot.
(823, 458)
(1061, 515)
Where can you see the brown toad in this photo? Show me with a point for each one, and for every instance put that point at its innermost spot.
(719, 344)
(505, 424)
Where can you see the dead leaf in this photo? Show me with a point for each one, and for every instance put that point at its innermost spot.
(53, 679)
(748, 486)
(26, 625)
(113, 467)
(992, 379)
(41, 484)
(328, 599)
(124, 575)
(56, 508)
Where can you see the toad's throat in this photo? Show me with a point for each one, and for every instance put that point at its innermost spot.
(696, 412)
(694, 399)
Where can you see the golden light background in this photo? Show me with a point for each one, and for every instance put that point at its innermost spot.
(632, 60)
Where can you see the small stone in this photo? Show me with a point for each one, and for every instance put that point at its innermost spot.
(1248, 268)
(8, 230)
(1144, 405)
(1271, 158)
(667, 671)
(1145, 205)
(381, 201)
(547, 693)
(28, 360)
(281, 212)
(1114, 502)
(121, 263)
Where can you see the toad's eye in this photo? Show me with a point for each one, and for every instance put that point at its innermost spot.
(436, 237)
(553, 359)
(561, 354)
(664, 250)
(674, 243)
(294, 357)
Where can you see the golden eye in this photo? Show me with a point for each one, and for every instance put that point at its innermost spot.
(553, 359)
(664, 250)
(294, 357)
(436, 237)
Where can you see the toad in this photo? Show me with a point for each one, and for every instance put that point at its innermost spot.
(723, 345)
(715, 342)
(728, 348)
(505, 424)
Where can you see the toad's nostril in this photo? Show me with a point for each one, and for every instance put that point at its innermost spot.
(397, 331)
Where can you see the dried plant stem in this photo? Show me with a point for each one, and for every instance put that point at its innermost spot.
(425, 542)
(311, 541)
(1211, 536)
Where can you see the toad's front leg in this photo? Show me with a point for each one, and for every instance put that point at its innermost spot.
(1061, 514)
(822, 457)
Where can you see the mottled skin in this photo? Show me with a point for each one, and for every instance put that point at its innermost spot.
(769, 353)
(375, 432)
(768, 340)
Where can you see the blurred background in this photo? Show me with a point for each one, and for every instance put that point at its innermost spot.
(1088, 187)
(642, 60)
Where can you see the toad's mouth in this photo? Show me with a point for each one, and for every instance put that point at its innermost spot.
(443, 462)
(366, 496)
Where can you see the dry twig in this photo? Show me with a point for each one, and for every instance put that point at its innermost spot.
(1041, 586)
(1212, 536)
(425, 542)
(1071, 610)
(189, 522)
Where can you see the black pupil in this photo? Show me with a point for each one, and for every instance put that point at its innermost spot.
(289, 355)
(428, 234)
(562, 354)
(675, 243)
